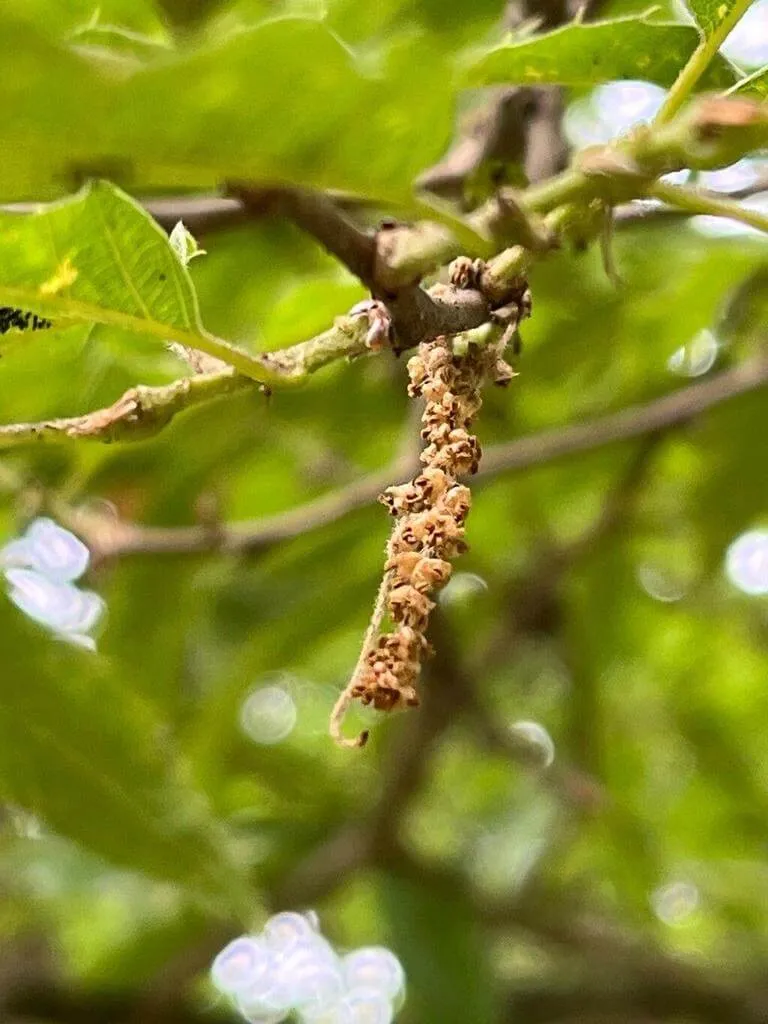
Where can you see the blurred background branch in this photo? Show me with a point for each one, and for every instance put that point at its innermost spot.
(110, 538)
(572, 828)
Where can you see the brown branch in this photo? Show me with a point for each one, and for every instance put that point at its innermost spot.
(144, 410)
(115, 538)
(201, 215)
(496, 133)
(516, 125)
(211, 213)
(318, 215)
(417, 315)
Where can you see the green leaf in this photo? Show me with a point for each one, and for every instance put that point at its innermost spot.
(434, 932)
(44, 142)
(288, 101)
(285, 100)
(98, 258)
(710, 14)
(117, 46)
(137, 16)
(95, 762)
(308, 307)
(582, 55)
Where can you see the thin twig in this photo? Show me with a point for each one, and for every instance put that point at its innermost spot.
(661, 414)
(144, 410)
(346, 696)
(697, 201)
(110, 538)
(630, 214)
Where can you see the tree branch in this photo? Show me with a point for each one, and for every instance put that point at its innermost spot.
(318, 215)
(710, 133)
(143, 410)
(111, 539)
(140, 412)
(662, 414)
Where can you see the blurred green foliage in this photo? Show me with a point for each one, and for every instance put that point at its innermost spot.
(142, 825)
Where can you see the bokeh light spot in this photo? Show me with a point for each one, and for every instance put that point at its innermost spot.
(746, 562)
(268, 715)
(461, 589)
(674, 903)
(535, 742)
(696, 357)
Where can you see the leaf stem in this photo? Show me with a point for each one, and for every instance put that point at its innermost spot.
(744, 83)
(694, 201)
(572, 184)
(699, 61)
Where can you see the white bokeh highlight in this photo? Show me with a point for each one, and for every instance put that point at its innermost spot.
(746, 562)
(536, 739)
(697, 356)
(268, 715)
(747, 44)
(611, 110)
(61, 606)
(374, 967)
(660, 584)
(462, 589)
(291, 970)
(674, 903)
(743, 174)
(40, 570)
(55, 552)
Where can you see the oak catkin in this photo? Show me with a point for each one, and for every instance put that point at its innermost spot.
(431, 510)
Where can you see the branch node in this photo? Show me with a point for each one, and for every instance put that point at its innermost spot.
(381, 331)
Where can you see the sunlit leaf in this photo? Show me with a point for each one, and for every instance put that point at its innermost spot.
(97, 258)
(586, 54)
(285, 100)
